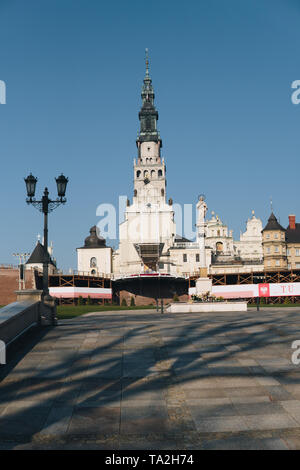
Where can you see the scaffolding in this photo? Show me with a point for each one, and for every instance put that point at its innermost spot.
(78, 280)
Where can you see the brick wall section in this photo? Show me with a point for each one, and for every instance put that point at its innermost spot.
(9, 283)
(140, 300)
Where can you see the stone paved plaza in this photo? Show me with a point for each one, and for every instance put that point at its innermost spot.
(145, 380)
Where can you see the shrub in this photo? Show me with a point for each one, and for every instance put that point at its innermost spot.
(89, 301)
(124, 303)
(132, 302)
(80, 300)
(175, 298)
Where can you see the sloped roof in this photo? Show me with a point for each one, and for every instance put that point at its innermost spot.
(293, 235)
(273, 224)
(39, 255)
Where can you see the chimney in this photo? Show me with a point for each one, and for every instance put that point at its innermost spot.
(292, 222)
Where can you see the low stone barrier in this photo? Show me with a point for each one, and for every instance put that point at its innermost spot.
(16, 318)
(47, 305)
(203, 307)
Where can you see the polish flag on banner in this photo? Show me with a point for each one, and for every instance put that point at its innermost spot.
(264, 290)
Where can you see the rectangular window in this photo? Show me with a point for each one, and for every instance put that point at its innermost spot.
(288, 252)
(197, 257)
(184, 257)
(268, 250)
(276, 249)
(297, 265)
(161, 265)
(276, 235)
(297, 252)
(277, 262)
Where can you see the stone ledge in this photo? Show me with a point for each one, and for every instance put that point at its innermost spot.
(203, 307)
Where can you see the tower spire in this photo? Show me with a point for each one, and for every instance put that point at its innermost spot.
(147, 61)
(148, 114)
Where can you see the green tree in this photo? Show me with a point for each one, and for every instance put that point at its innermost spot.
(124, 303)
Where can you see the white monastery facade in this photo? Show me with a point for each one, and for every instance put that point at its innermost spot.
(148, 240)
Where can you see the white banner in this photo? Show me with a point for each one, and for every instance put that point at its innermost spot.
(74, 292)
(239, 291)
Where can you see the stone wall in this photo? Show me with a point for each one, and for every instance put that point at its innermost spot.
(9, 283)
(141, 300)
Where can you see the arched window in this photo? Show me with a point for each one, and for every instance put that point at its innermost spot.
(138, 173)
(153, 174)
(162, 191)
(93, 263)
(159, 173)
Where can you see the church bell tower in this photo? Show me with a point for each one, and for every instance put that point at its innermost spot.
(149, 169)
(148, 229)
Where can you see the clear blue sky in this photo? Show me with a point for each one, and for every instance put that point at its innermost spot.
(222, 73)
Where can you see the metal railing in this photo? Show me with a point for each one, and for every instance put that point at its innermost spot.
(8, 266)
(193, 245)
(75, 272)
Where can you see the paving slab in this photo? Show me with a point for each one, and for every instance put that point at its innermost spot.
(270, 421)
(91, 421)
(148, 419)
(219, 424)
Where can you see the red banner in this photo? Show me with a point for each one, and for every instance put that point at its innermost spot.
(264, 290)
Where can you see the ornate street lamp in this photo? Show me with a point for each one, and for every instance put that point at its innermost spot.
(61, 182)
(30, 185)
(46, 205)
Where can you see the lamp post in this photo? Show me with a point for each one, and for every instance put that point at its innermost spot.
(258, 280)
(46, 205)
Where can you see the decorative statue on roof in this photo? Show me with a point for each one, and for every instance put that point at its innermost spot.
(201, 209)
